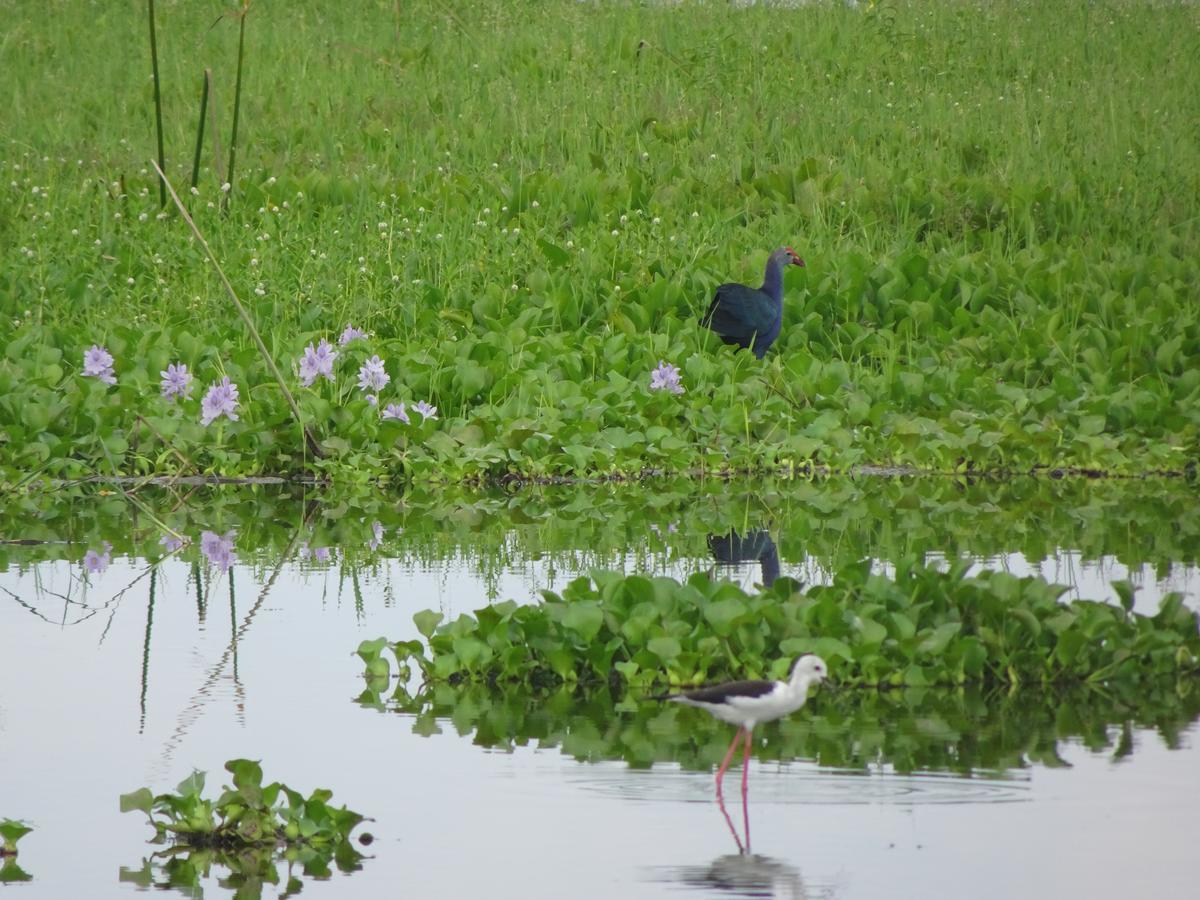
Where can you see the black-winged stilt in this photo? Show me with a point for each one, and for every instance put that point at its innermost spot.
(746, 703)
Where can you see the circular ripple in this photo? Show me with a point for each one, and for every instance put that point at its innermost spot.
(794, 785)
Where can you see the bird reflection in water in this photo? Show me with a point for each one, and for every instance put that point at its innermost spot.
(732, 549)
(746, 875)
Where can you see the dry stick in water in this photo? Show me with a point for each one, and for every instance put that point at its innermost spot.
(162, 162)
(313, 445)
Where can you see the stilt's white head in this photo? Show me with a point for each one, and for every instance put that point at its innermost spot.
(808, 670)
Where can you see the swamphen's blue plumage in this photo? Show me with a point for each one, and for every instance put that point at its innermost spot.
(751, 317)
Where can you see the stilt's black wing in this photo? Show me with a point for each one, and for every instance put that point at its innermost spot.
(719, 693)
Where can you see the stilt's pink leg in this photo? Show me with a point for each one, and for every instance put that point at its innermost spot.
(725, 762)
(745, 800)
(729, 822)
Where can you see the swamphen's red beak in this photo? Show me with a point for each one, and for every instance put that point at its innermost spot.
(796, 260)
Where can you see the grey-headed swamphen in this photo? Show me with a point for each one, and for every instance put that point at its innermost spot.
(751, 317)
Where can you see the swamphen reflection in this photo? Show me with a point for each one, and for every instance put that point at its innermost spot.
(734, 548)
(751, 317)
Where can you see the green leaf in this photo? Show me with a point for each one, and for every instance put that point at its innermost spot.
(192, 786)
(557, 255)
(665, 648)
(722, 614)
(140, 799)
(471, 651)
(584, 618)
(427, 621)
(11, 831)
(936, 642)
(369, 650)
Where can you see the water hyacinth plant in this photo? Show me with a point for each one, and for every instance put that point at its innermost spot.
(926, 627)
(396, 411)
(247, 814)
(372, 377)
(221, 400)
(963, 731)
(176, 381)
(218, 549)
(97, 562)
(955, 315)
(350, 333)
(11, 831)
(426, 411)
(98, 363)
(317, 362)
(666, 378)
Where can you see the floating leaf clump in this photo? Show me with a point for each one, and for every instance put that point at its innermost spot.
(249, 815)
(11, 831)
(921, 627)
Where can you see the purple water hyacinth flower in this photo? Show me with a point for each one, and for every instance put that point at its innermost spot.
(377, 530)
(176, 381)
(218, 549)
(221, 400)
(171, 543)
(373, 399)
(396, 411)
(315, 554)
(317, 361)
(372, 377)
(426, 411)
(95, 563)
(352, 334)
(98, 363)
(666, 378)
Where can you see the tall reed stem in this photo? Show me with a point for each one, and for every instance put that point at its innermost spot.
(237, 100)
(204, 85)
(162, 162)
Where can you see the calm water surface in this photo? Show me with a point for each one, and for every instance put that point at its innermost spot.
(131, 668)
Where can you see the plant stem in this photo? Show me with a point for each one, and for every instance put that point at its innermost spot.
(313, 445)
(204, 86)
(237, 102)
(162, 162)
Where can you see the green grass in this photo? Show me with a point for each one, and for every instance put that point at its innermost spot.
(528, 204)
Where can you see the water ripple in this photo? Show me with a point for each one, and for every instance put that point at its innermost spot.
(793, 785)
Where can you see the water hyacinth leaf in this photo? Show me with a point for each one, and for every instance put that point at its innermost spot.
(721, 614)
(1124, 591)
(943, 628)
(247, 778)
(370, 650)
(471, 652)
(11, 831)
(192, 786)
(426, 621)
(872, 632)
(665, 648)
(584, 618)
(140, 799)
(11, 873)
(942, 635)
(142, 878)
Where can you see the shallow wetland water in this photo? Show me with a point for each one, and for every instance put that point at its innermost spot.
(136, 664)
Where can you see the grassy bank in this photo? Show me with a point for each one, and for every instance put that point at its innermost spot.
(526, 206)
